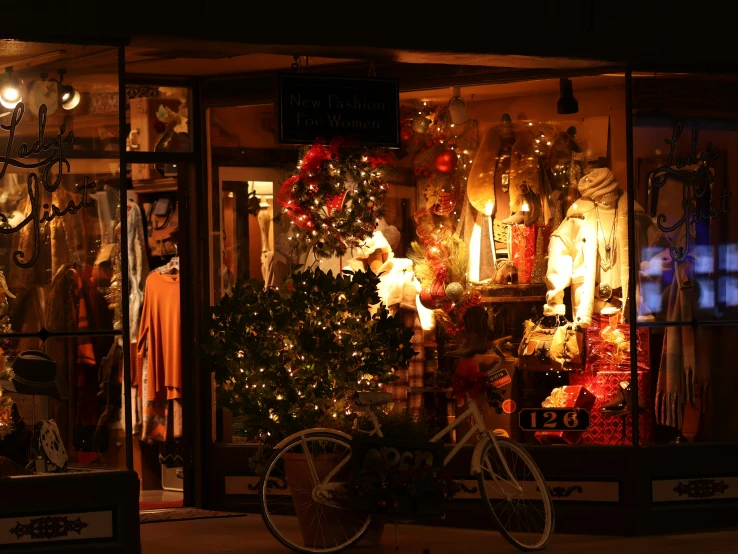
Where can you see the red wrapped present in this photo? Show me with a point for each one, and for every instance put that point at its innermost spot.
(608, 429)
(574, 396)
(611, 347)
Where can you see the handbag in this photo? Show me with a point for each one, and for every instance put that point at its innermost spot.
(554, 348)
(566, 347)
(48, 448)
(534, 349)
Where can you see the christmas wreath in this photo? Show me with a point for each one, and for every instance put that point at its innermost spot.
(334, 200)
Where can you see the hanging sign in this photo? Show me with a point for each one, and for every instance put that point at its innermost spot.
(315, 108)
(554, 419)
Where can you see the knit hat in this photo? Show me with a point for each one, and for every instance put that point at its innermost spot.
(597, 182)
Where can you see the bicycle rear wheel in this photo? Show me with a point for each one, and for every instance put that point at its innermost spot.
(524, 512)
(288, 502)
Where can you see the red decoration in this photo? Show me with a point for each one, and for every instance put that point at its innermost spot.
(446, 203)
(523, 250)
(433, 296)
(336, 202)
(446, 161)
(468, 379)
(604, 385)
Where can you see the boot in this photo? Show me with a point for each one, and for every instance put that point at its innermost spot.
(515, 219)
(617, 404)
(475, 340)
(623, 401)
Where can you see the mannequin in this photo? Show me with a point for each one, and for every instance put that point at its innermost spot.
(264, 217)
(589, 251)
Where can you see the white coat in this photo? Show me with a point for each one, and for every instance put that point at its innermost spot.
(572, 258)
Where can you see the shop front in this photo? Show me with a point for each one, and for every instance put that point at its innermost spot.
(574, 214)
(583, 224)
(65, 443)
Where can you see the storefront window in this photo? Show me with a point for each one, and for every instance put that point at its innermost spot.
(500, 177)
(158, 119)
(60, 259)
(684, 159)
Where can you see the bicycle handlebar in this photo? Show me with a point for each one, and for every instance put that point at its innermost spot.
(498, 365)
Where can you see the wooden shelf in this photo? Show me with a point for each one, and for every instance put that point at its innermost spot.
(509, 299)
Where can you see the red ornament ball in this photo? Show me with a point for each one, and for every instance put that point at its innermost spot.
(406, 135)
(446, 161)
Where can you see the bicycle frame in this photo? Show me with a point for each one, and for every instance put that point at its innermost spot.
(479, 427)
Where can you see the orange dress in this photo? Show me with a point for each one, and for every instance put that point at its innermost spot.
(160, 334)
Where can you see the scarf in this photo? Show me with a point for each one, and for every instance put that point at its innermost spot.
(682, 376)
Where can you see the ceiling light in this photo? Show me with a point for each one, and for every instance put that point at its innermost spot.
(10, 90)
(69, 96)
(567, 103)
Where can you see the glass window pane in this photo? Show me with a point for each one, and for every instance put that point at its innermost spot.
(684, 140)
(158, 119)
(60, 251)
(683, 156)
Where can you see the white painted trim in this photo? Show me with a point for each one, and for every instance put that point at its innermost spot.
(76, 525)
(694, 489)
(591, 491)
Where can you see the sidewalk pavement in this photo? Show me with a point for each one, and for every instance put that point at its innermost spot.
(247, 535)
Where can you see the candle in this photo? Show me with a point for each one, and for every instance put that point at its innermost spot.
(489, 208)
(475, 252)
(525, 207)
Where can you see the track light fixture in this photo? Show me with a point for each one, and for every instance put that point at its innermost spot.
(10, 89)
(567, 103)
(69, 96)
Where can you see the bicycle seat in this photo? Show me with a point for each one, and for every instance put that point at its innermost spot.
(372, 398)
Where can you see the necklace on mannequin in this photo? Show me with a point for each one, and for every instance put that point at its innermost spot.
(607, 261)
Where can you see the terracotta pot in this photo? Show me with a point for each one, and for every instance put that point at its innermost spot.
(333, 520)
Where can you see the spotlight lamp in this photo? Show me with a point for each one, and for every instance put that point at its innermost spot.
(10, 90)
(69, 96)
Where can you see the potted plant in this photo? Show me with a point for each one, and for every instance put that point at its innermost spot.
(285, 359)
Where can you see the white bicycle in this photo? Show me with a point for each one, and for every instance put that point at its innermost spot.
(297, 492)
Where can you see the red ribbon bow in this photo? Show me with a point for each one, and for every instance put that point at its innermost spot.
(467, 379)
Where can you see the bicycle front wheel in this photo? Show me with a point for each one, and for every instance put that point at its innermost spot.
(516, 494)
(301, 497)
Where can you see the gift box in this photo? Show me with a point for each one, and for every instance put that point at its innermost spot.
(608, 429)
(600, 352)
(577, 396)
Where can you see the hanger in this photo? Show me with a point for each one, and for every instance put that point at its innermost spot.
(170, 268)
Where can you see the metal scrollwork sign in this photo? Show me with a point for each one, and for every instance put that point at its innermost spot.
(696, 176)
(45, 157)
